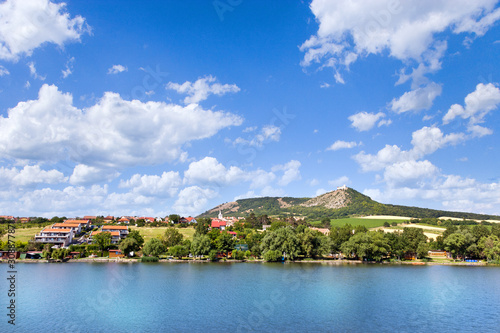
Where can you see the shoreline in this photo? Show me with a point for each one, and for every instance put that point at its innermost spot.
(328, 262)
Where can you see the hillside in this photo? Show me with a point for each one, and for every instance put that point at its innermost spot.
(334, 204)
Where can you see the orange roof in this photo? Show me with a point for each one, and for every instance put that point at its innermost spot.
(55, 230)
(115, 227)
(113, 233)
(77, 221)
(73, 225)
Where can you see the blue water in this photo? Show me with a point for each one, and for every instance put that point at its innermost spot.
(204, 297)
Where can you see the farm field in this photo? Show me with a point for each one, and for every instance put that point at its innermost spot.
(148, 232)
(24, 234)
(369, 223)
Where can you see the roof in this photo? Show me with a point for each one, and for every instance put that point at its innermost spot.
(115, 227)
(232, 233)
(114, 250)
(113, 233)
(55, 230)
(190, 218)
(89, 217)
(218, 223)
(66, 225)
(77, 221)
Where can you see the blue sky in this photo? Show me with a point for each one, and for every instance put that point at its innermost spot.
(160, 107)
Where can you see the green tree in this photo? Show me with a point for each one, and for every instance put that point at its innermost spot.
(422, 250)
(490, 247)
(455, 244)
(272, 255)
(102, 240)
(128, 245)
(172, 237)
(135, 234)
(338, 236)
(153, 247)
(283, 240)
(480, 231)
(412, 238)
(202, 225)
(174, 218)
(201, 245)
(178, 251)
(310, 243)
(495, 229)
(224, 242)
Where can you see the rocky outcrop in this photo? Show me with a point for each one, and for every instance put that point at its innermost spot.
(335, 199)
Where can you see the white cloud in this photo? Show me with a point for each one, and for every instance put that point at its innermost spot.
(209, 171)
(290, 170)
(3, 71)
(344, 180)
(193, 200)
(84, 175)
(401, 172)
(250, 129)
(202, 88)
(339, 144)
(425, 141)
(69, 68)
(452, 192)
(112, 133)
(324, 85)
(407, 31)
(267, 134)
(313, 182)
(364, 121)
(115, 69)
(26, 25)
(418, 99)
(153, 185)
(320, 191)
(478, 104)
(28, 176)
(33, 72)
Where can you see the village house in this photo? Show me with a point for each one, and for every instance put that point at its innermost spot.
(75, 227)
(84, 224)
(218, 224)
(191, 220)
(58, 237)
(122, 230)
(90, 217)
(124, 219)
(108, 219)
(115, 236)
(116, 254)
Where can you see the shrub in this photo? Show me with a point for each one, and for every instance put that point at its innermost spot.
(272, 256)
(386, 224)
(238, 255)
(149, 259)
(212, 255)
(394, 224)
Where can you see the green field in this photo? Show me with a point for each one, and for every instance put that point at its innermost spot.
(24, 234)
(158, 232)
(369, 223)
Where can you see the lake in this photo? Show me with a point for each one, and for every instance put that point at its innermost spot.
(242, 297)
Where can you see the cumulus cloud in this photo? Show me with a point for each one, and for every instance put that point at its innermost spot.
(416, 100)
(153, 185)
(84, 175)
(193, 200)
(478, 104)
(425, 141)
(112, 133)
(202, 88)
(364, 121)
(401, 172)
(115, 69)
(344, 180)
(209, 171)
(339, 144)
(29, 175)
(26, 25)
(407, 31)
(290, 170)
